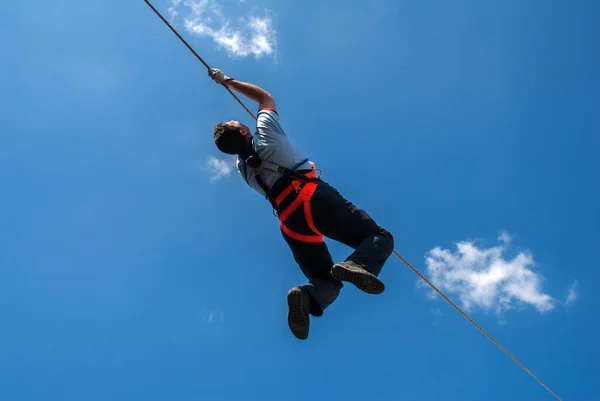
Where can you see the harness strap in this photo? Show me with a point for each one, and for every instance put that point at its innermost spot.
(306, 191)
(257, 164)
(303, 184)
(261, 183)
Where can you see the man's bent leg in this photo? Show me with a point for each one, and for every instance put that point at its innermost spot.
(315, 296)
(340, 220)
(315, 262)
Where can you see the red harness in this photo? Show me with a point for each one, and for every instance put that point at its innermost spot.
(305, 193)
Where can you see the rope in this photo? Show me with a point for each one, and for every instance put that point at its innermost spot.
(196, 54)
(474, 324)
(395, 253)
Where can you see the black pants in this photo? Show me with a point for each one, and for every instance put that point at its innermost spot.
(336, 218)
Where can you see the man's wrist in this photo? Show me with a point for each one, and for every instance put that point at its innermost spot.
(227, 80)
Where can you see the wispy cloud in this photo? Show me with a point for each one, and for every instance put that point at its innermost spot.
(572, 293)
(484, 278)
(436, 312)
(212, 316)
(218, 168)
(241, 36)
(172, 10)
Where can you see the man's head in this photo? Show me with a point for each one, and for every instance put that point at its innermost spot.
(232, 137)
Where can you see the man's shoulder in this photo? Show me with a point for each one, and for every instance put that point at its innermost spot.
(267, 123)
(267, 114)
(269, 110)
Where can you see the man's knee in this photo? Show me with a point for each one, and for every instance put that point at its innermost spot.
(387, 239)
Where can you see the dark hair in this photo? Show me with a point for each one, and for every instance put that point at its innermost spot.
(229, 139)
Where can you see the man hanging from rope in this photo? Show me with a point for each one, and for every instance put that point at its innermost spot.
(308, 209)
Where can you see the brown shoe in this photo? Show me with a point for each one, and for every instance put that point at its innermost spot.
(298, 309)
(357, 275)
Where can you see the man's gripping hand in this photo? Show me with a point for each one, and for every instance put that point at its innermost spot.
(218, 76)
(251, 91)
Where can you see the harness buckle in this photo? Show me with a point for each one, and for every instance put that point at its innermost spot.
(297, 185)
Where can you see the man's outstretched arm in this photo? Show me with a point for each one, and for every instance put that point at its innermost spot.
(254, 92)
(251, 91)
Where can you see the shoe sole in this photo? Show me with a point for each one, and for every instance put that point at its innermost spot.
(362, 279)
(298, 318)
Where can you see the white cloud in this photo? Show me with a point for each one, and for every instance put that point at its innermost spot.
(483, 278)
(436, 312)
(245, 35)
(172, 11)
(572, 294)
(212, 316)
(215, 317)
(505, 238)
(218, 168)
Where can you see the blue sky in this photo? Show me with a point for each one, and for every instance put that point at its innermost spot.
(130, 271)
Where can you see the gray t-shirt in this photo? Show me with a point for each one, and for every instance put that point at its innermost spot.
(272, 144)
